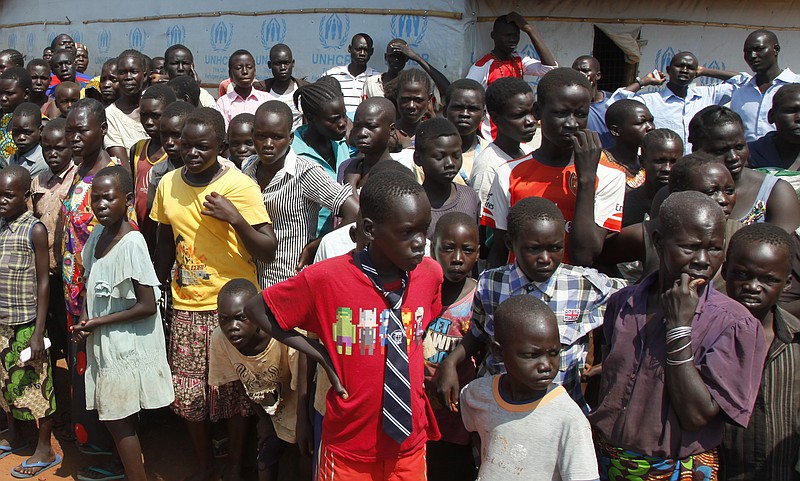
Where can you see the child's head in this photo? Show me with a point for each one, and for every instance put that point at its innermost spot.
(39, 70)
(360, 49)
(660, 149)
(784, 113)
(719, 131)
(11, 58)
(55, 148)
(272, 132)
(563, 99)
(465, 103)
(395, 61)
(413, 95)
(63, 65)
(704, 173)
(15, 88)
(510, 103)
(536, 231)
(81, 57)
(590, 67)
(242, 69)
(132, 70)
(322, 104)
(15, 189)
(689, 219)
(66, 94)
(26, 126)
(240, 331)
(373, 125)
(281, 62)
(438, 150)
(178, 61)
(112, 194)
(505, 35)
(682, 69)
(758, 266)
(240, 138)
(47, 54)
(761, 49)
(86, 126)
(629, 121)
(456, 245)
(186, 88)
(151, 108)
(202, 139)
(395, 215)
(158, 65)
(109, 82)
(172, 121)
(527, 340)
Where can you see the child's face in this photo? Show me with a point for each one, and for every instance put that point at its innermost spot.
(727, 143)
(332, 120)
(179, 63)
(399, 241)
(130, 74)
(658, 160)
(81, 59)
(756, 275)
(199, 147)
(55, 150)
(372, 129)
(517, 121)
(715, 181)
(150, 111)
(565, 112)
(281, 63)
(13, 198)
(465, 110)
(84, 133)
(5, 62)
(786, 117)
(272, 137)
(26, 132)
(64, 66)
(242, 70)
(440, 158)
(531, 357)
(109, 202)
(170, 134)
(238, 329)
(65, 97)
(539, 248)
(638, 122)
(40, 78)
(240, 141)
(413, 100)
(457, 250)
(696, 248)
(11, 95)
(109, 83)
(158, 66)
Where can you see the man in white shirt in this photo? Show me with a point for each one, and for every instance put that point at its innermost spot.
(353, 75)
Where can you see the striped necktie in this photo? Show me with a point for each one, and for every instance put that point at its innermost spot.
(396, 385)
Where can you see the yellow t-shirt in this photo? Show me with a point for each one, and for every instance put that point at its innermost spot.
(208, 253)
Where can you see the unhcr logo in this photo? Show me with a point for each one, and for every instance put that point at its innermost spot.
(137, 38)
(529, 51)
(410, 28)
(12, 40)
(77, 36)
(104, 41)
(30, 42)
(334, 31)
(663, 58)
(50, 37)
(714, 64)
(221, 36)
(175, 34)
(273, 32)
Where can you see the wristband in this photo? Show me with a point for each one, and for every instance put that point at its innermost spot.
(638, 80)
(678, 332)
(675, 351)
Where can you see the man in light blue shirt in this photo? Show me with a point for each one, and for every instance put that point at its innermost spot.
(754, 99)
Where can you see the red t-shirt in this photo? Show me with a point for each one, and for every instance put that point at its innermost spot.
(335, 300)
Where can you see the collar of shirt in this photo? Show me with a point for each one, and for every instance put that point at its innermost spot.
(638, 301)
(48, 176)
(691, 94)
(787, 326)
(786, 76)
(250, 166)
(233, 95)
(14, 225)
(29, 157)
(517, 280)
(345, 71)
(301, 148)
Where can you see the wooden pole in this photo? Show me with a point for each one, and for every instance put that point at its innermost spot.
(648, 21)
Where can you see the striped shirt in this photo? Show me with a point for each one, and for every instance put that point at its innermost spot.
(18, 284)
(293, 198)
(352, 86)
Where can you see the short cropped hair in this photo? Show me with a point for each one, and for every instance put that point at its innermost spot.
(503, 89)
(685, 171)
(518, 311)
(658, 136)
(559, 78)
(20, 74)
(173, 48)
(784, 92)
(619, 110)
(679, 206)
(240, 286)
(464, 84)
(710, 118)
(365, 37)
(752, 235)
(29, 109)
(38, 62)
(57, 124)
(433, 128)
(382, 192)
(237, 53)
(392, 166)
(275, 107)
(243, 118)
(451, 219)
(20, 174)
(94, 107)
(179, 108)
(161, 92)
(209, 117)
(529, 209)
(120, 174)
(186, 86)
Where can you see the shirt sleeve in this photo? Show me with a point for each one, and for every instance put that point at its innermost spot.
(220, 367)
(731, 367)
(478, 74)
(609, 198)
(244, 193)
(531, 66)
(577, 460)
(292, 303)
(479, 315)
(157, 212)
(320, 188)
(113, 136)
(498, 201)
(467, 408)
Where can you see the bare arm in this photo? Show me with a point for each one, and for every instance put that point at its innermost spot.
(42, 262)
(348, 212)
(545, 55)
(498, 252)
(624, 246)
(120, 153)
(304, 427)
(145, 306)
(646, 81)
(447, 385)
(165, 252)
(586, 237)
(259, 240)
(783, 208)
(439, 79)
(715, 73)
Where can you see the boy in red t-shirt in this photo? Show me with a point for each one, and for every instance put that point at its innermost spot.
(370, 309)
(569, 169)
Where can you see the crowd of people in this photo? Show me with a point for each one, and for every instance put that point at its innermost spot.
(394, 274)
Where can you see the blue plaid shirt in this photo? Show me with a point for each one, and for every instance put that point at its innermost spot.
(577, 296)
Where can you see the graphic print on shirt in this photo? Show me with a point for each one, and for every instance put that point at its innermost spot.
(444, 335)
(368, 334)
(192, 270)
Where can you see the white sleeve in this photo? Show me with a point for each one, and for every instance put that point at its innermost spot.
(498, 201)
(609, 198)
(531, 66)
(466, 406)
(479, 74)
(577, 460)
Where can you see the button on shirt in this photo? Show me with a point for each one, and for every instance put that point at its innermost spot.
(635, 410)
(577, 296)
(753, 106)
(232, 104)
(673, 112)
(352, 86)
(32, 160)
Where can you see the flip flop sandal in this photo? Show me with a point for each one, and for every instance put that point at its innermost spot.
(92, 450)
(44, 465)
(107, 475)
(7, 450)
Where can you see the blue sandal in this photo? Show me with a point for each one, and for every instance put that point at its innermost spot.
(107, 475)
(44, 465)
(6, 450)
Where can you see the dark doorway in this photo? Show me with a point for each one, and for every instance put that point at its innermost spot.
(616, 72)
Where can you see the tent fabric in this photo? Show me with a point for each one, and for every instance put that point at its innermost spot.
(626, 37)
